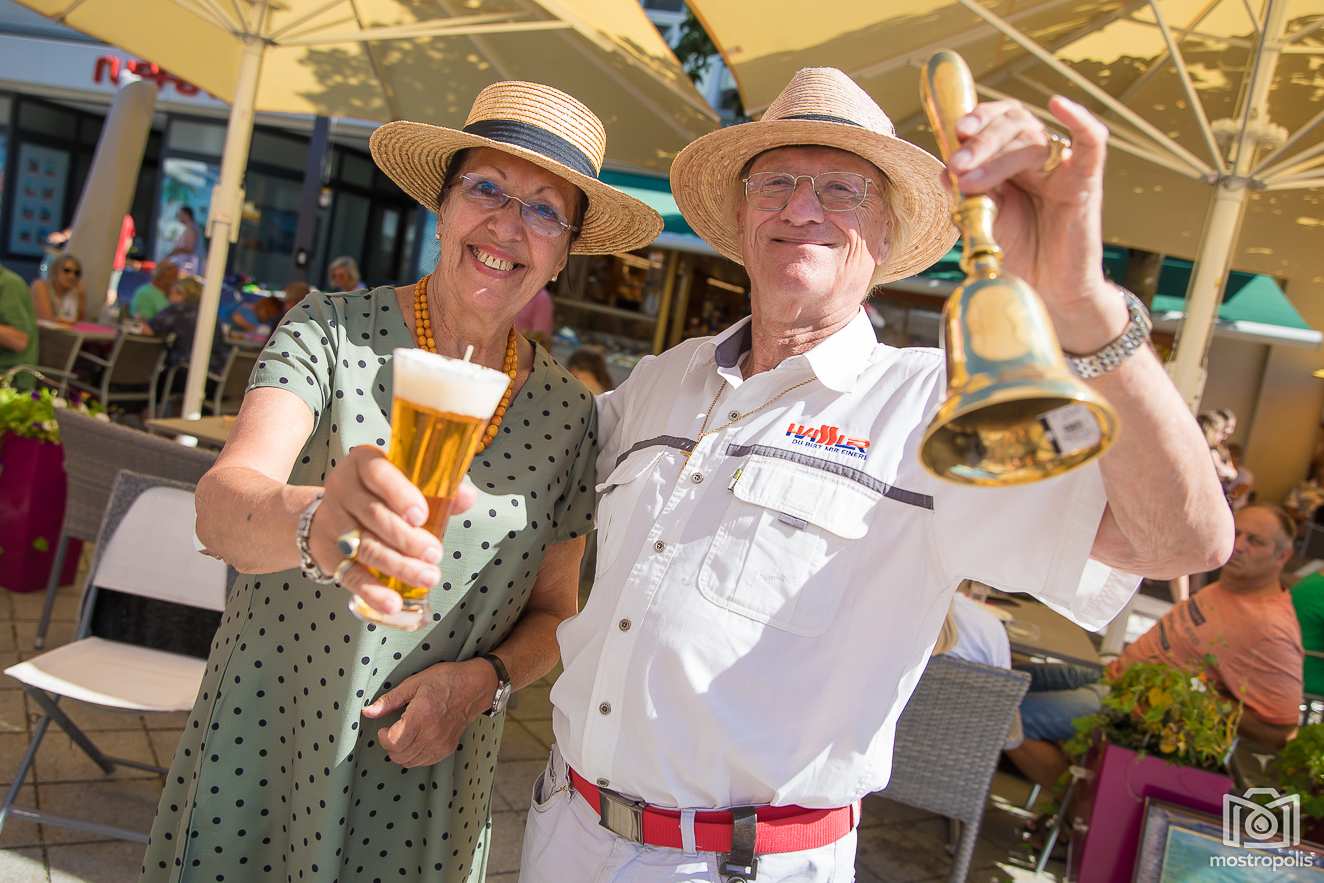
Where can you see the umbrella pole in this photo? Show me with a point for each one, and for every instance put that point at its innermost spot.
(1213, 259)
(223, 219)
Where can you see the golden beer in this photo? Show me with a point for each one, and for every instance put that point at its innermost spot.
(439, 410)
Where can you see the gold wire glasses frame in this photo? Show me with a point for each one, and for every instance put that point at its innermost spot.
(539, 217)
(836, 191)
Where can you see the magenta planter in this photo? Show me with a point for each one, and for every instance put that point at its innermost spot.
(1113, 808)
(32, 491)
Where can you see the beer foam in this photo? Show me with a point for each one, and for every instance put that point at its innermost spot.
(443, 384)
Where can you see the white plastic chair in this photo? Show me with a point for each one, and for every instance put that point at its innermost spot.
(150, 608)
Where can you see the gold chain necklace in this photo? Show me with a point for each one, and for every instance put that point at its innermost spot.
(736, 416)
(425, 340)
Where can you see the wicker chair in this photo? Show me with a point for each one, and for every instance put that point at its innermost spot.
(948, 740)
(94, 451)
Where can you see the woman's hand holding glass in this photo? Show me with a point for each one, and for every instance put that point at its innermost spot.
(366, 492)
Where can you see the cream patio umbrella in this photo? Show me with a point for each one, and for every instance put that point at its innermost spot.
(1213, 106)
(421, 60)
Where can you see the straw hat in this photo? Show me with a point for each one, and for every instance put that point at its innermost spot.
(536, 123)
(820, 106)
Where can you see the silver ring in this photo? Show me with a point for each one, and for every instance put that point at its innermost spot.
(343, 568)
(1059, 148)
(348, 543)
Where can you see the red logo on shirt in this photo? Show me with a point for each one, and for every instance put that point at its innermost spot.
(827, 437)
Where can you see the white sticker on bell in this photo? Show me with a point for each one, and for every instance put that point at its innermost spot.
(1073, 428)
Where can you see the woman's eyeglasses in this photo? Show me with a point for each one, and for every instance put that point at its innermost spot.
(836, 191)
(539, 217)
(75, 270)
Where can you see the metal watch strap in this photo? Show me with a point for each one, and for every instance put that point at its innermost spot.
(1133, 336)
(307, 566)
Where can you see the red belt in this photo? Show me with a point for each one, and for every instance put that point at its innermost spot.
(780, 828)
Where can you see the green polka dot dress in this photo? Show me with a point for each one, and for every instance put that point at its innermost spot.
(278, 776)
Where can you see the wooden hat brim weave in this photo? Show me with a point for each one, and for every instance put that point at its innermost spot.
(415, 157)
(705, 183)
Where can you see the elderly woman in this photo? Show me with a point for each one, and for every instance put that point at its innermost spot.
(324, 748)
(59, 295)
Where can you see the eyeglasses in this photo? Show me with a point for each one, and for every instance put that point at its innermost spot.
(539, 217)
(74, 270)
(836, 191)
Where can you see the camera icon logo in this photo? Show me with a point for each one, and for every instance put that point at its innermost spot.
(1262, 818)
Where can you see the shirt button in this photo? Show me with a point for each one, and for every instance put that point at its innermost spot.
(659, 546)
(625, 625)
(605, 708)
(603, 783)
(697, 478)
(734, 415)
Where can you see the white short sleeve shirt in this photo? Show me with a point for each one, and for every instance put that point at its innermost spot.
(767, 595)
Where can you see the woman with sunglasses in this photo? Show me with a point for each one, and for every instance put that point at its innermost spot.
(324, 748)
(60, 295)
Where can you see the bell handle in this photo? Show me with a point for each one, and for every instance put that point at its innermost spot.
(947, 91)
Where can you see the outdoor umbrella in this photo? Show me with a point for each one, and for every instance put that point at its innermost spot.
(421, 60)
(1213, 106)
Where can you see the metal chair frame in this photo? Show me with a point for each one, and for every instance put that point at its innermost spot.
(122, 360)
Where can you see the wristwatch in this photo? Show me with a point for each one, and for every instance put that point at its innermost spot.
(504, 688)
(1133, 336)
(308, 568)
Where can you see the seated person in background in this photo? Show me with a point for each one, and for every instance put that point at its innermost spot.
(1307, 496)
(295, 292)
(344, 274)
(1243, 485)
(61, 295)
(978, 636)
(261, 317)
(176, 324)
(151, 297)
(590, 368)
(1308, 599)
(1244, 622)
(18, 327)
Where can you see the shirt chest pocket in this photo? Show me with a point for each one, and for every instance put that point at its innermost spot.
(789, 548)
(631, 487)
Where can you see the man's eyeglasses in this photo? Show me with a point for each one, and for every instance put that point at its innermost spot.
(836, 191)
(539, 217)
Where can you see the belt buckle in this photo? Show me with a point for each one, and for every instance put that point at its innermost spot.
(621, 815)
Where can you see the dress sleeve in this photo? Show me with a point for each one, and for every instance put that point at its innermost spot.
(573, 515)
(301, 355)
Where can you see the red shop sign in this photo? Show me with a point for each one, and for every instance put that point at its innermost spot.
(109, 67)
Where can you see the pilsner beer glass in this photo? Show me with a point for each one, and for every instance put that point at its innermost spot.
(439, 411)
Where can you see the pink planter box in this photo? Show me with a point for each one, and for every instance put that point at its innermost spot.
(32, 493)
(1113, 808)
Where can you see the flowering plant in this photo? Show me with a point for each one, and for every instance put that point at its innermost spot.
(32, 414)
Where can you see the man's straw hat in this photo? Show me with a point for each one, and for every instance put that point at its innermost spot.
(820, 106)
(537, 123)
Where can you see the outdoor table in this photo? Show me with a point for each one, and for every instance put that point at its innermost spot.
(1037, 630)
(84, 330)
(211, 431)
(246, 341)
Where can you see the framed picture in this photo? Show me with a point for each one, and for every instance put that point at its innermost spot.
(1180, 845)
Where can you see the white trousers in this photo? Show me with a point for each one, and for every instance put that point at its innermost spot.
(564, 843)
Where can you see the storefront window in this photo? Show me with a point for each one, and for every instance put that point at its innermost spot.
(4, 153)
(266, 232)
(429, 251)
(349, 223)
(184, 183)
(187, 136)
(40, 176)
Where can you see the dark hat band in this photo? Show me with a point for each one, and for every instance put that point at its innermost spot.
(530, 137)
(822, 118)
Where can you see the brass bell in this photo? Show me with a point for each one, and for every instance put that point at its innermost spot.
(1014, 411)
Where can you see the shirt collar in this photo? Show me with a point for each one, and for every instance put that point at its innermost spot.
(836, 361)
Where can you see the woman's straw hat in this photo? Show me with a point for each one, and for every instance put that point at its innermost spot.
(820, 106)
(536, 123)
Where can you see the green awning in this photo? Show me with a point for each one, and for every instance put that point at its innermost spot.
(655, 192)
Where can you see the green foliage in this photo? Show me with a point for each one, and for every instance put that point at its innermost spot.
(694, 49)
(32, 414)
(1156, 709)
(1300, 768)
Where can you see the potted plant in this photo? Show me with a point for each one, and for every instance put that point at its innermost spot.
(1161, 732)
(32, 484)
(1299, 769)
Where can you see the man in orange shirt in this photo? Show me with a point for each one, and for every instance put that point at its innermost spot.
(1245, 623)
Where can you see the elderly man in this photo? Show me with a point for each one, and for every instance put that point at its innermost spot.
(344, 274)
(1241, 629)
(774, 563)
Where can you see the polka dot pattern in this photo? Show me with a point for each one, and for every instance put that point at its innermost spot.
(278, 776)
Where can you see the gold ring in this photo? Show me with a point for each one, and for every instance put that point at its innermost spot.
(343, 568)
(1059, 148)
(348, 543)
